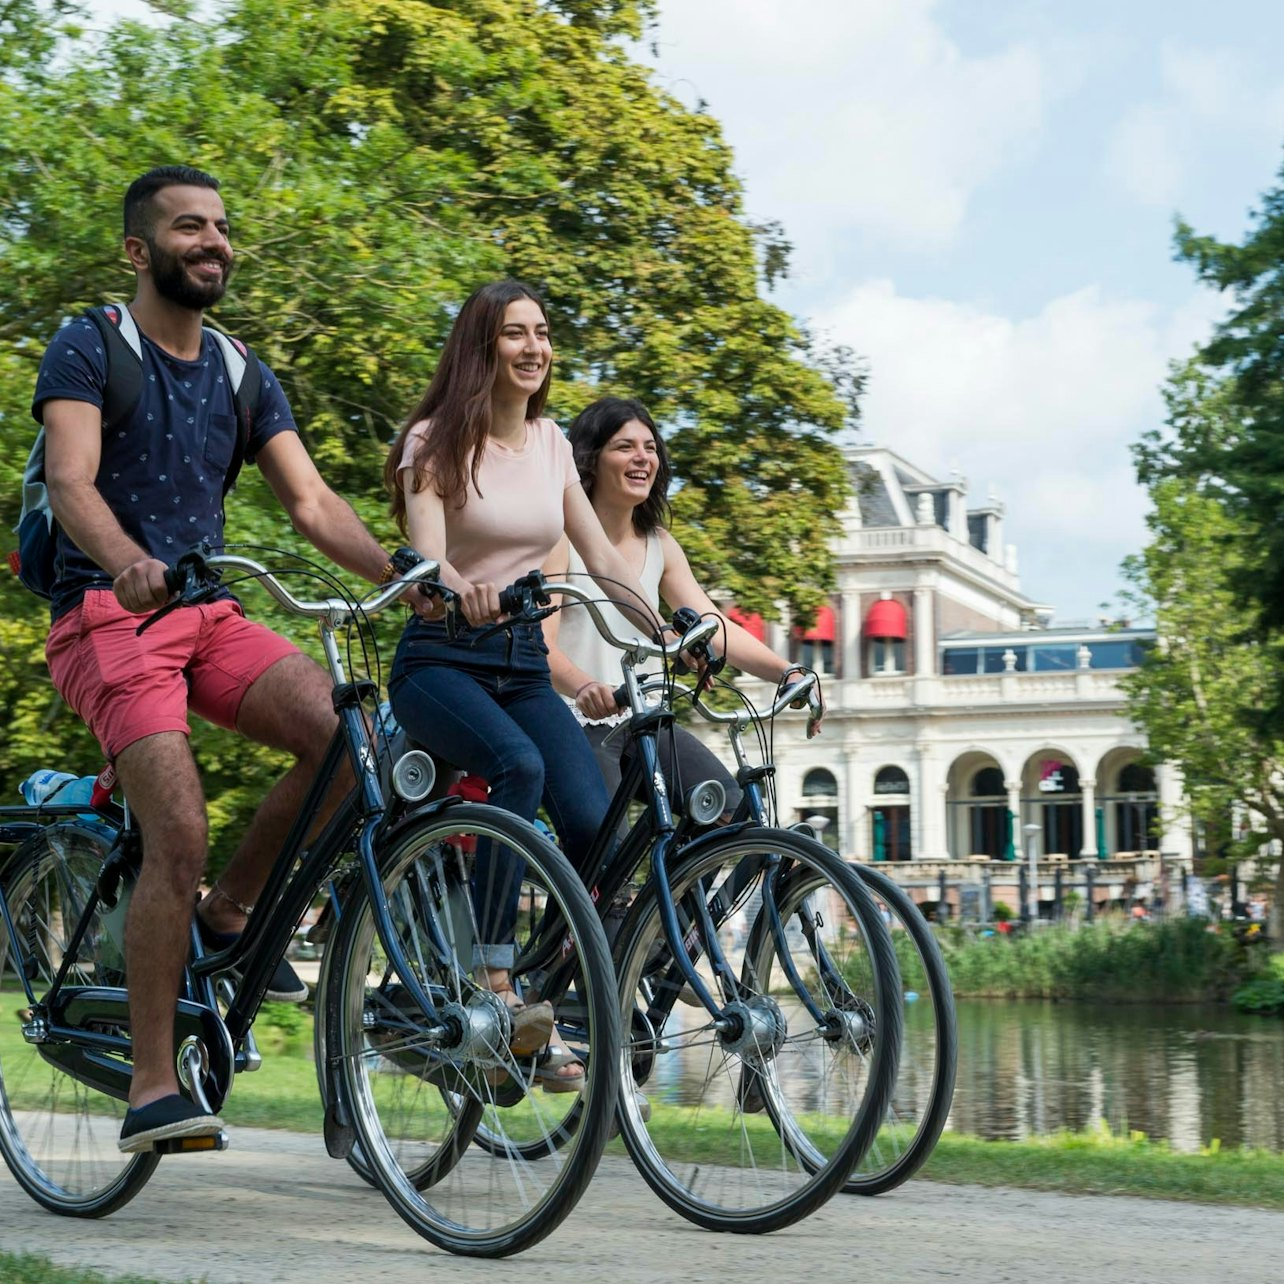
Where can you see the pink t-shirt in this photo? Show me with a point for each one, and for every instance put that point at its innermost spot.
(512, 525)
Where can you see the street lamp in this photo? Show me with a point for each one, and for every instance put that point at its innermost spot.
(1032, 860)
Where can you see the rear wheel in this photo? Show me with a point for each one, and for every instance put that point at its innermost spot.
(758, 1117)
(920, 1104)
(57, 1134)
(421, 1088)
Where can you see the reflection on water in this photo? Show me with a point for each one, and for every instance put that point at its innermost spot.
(1185, 1074)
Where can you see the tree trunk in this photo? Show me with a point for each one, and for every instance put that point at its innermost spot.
(1276, 924)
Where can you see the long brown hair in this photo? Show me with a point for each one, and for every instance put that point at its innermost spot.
(458, 400)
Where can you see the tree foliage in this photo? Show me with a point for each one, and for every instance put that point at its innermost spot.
(1239, 457)
(1200, 693)
(380, 158)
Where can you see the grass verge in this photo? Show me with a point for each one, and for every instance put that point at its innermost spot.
(1099, 1163)
(27, 1268)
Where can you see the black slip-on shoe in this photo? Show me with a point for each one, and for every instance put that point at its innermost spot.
(163, 1120)
(286, 985)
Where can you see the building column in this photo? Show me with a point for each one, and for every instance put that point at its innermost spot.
(924, 639)
(1089, 791)
(849, 664)
(1014, 807)
(928, 817)
(859, 842)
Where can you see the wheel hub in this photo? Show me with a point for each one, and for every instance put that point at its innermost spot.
(484, 1027)
(854, 1024)
(758, 1029)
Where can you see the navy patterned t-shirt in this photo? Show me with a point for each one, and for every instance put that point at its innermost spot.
(161, 472)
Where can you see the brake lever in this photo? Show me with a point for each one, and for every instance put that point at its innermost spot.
(181, 580)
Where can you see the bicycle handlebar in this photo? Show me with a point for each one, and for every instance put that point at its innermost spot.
(530, 598)
(806, 688)
(197, 574)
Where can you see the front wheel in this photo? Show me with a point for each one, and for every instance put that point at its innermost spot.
(757, 1116)
(422, 1088)
(57, 1134)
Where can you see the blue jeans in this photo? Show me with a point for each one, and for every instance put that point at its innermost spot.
(489, 708)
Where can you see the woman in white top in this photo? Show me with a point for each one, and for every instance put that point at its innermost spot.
(485, 485)
(625, 473)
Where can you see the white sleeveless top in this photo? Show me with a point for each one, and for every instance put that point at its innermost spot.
(578, 637)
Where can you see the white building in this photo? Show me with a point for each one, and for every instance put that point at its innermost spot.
(956, 716)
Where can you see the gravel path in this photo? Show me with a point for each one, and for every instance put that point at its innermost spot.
(273, 1208)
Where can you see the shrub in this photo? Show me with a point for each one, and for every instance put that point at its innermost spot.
(1178, 960)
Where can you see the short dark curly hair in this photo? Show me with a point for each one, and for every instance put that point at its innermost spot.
(139, 209)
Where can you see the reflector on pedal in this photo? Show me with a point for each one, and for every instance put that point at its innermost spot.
(190, 1145)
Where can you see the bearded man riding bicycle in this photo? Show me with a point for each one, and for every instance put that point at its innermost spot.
(128, 497)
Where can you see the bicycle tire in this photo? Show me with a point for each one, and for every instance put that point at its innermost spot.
(920, 1105)
(403, 1091)
(58, 1135)
(702, 1152)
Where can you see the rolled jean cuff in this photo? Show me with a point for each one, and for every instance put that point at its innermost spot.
(495, 957)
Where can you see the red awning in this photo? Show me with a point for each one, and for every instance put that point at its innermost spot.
(822, 630)
(886, 619)
(751, 623)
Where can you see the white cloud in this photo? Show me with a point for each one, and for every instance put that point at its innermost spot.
(1143, 155)
(854, 117)
(1043, 410)
(1155, 146)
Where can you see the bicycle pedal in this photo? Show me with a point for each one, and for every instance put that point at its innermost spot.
(191, 1145)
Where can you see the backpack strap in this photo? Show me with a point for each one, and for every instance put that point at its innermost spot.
(124, 351)
(246, 378)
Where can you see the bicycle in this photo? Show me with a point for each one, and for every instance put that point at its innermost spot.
(918, 1109)
(795, 1023)
(402, 940)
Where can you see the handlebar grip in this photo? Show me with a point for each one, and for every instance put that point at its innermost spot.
(510, 600)
(621, 695)
(174, 579)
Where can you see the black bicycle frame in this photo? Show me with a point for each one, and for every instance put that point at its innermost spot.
(284, 900)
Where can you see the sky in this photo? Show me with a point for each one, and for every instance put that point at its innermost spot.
(981, 197)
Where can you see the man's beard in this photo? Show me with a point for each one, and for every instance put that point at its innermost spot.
(169, 275)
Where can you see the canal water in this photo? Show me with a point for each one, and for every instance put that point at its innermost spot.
(1188, 1074)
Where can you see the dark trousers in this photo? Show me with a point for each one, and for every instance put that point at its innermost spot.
(489, 708)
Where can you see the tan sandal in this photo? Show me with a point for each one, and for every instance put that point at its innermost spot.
(532, 1023)
(551, 1062)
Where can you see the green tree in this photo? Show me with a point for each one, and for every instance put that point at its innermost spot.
(380, 158)
(1241, 458)
(1199, 693)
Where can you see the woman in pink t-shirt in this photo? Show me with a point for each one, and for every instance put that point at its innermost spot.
(485, 485)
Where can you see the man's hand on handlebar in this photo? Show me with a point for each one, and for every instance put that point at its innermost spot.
(142, 586)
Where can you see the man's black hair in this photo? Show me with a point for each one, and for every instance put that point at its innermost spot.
(138, 200)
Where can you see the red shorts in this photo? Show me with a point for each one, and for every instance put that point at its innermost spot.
(126, 687)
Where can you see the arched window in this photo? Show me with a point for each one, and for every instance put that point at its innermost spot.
(1137, 778)
(890, 815)
(891, 780)
(820, 805)
(819, 783)
(988, 783)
